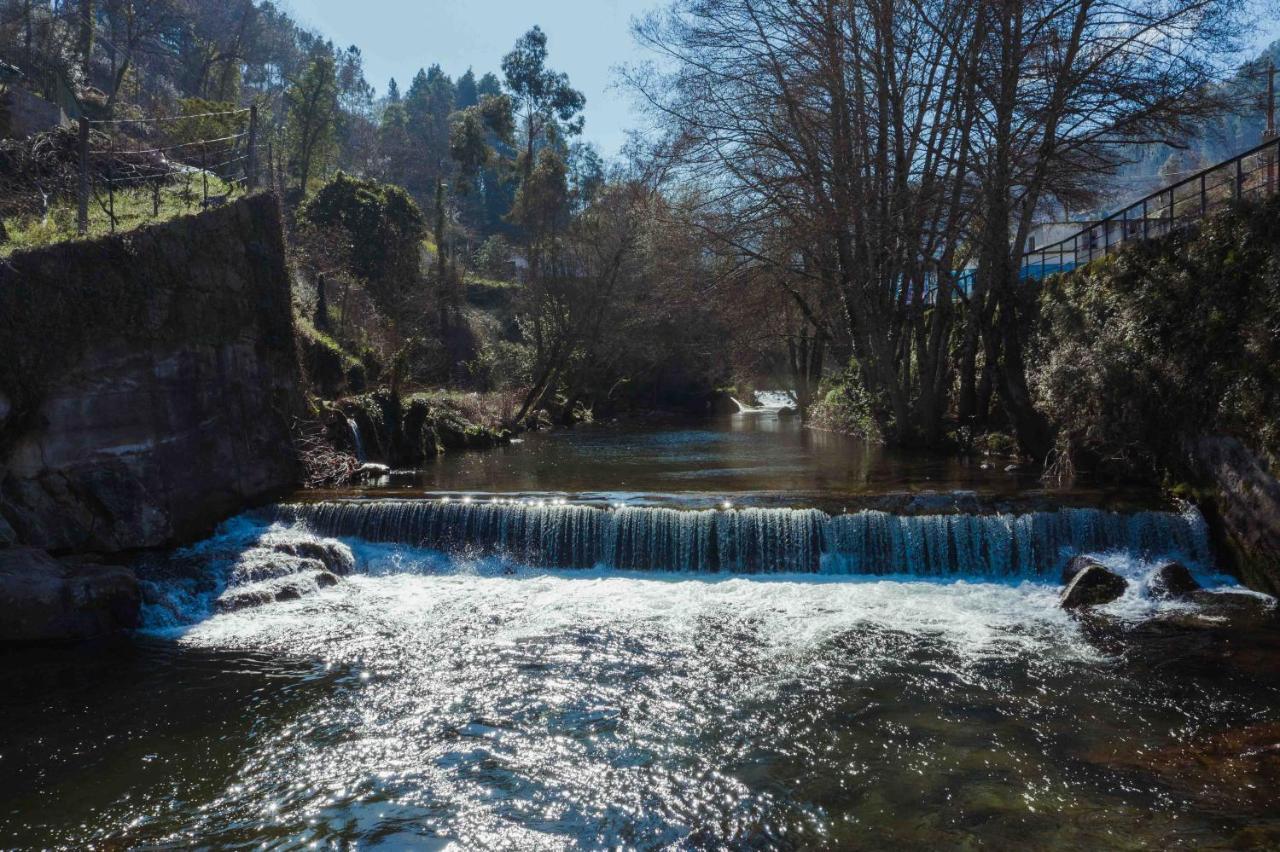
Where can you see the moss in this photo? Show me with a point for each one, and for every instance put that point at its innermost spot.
(328, 366)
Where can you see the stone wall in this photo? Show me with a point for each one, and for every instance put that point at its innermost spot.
(23, 114)
(1241, 499)
(148, 382)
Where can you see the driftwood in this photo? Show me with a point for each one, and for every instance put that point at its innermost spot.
(323, 465)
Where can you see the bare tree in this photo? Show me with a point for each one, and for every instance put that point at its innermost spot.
(1068, 90)
(846, 122)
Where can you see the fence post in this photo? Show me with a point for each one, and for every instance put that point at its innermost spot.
(1239, 177)
(252, 176)
(82, 215)
(1145, 219)
(111, 183)
(204, 176)
(1204, 198)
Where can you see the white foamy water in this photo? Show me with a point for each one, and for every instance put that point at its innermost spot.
(460, 700)
(999, 611)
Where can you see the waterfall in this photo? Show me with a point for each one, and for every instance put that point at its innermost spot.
(752, 540)
(767, 401)
(355, 439)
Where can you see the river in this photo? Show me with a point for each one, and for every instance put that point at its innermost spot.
(672, 636)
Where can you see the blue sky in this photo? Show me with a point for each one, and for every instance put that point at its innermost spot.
(587, 39)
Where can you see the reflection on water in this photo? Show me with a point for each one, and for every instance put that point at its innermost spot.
(771, 457)
(598, 710)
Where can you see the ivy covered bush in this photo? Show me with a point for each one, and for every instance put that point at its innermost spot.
(1165, 341)
(383, 223)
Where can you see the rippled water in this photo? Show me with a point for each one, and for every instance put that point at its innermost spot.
(444, 703)
(918, 687)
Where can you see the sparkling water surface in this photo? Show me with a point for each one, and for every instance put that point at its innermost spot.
(462, 698)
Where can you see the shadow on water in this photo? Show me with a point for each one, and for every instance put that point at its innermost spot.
(100, 737)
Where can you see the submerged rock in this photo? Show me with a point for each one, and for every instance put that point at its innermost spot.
(1171, 581)
(370, 470)
(1229, 768)
(1092, 586)
(44, 600)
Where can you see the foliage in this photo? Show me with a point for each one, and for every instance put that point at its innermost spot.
(383, 223)
(311, 129)
(1164, 342)
(551, 107)
(493, 258)
(133, 209)
(845, 406)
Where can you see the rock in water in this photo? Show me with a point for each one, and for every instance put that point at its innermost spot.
(336, 557)
(44, 600)
(1093, 586)
(288, 588)
(1172, 581)
(1076, 565)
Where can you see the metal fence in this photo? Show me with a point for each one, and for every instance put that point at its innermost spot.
(166, 160)
(1252, 174)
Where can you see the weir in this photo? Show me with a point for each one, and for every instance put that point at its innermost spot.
(757, 540)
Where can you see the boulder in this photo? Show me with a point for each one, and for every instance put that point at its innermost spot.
(287, 588)
(370, 470)
(1076, 565)
(336, 557)
(44, 600)
(1094, 585)
(1171, 581)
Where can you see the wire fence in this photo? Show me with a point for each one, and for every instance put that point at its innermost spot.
(1253, 174)
(145, 167)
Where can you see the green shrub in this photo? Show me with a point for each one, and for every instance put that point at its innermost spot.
(384, 224)
(844, 405)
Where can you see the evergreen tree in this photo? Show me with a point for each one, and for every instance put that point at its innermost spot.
(467, 93)
(489, 85)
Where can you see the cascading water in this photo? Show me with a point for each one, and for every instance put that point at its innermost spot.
(357, 440)
(766, 401)
(753, 540)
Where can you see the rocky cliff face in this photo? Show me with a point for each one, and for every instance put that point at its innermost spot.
(148, 382)
(1242, 503)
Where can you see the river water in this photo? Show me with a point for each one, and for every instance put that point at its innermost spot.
(573, 643)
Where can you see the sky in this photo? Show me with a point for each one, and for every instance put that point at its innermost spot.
(586, 39)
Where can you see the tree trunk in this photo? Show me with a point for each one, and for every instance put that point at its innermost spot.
(84, 44)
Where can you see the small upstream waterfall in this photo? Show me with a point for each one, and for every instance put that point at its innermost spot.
(357, 440)
(752, 541)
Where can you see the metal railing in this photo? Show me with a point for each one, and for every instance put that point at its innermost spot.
(1253, 174)
(144, 155)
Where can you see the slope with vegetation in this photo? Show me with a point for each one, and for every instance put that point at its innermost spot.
(1162, 363)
